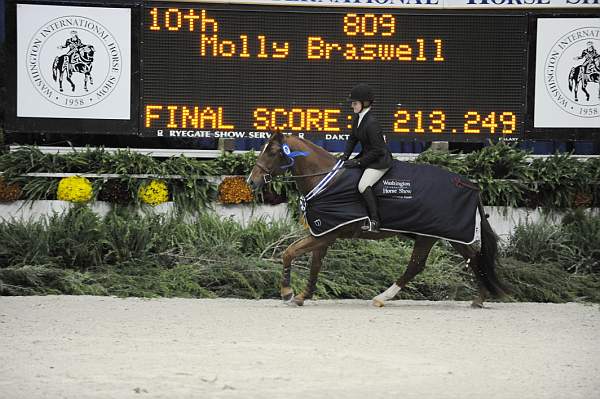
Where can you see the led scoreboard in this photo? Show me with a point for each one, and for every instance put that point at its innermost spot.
(240, 71)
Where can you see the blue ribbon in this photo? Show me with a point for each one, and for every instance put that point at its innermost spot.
(291, 155)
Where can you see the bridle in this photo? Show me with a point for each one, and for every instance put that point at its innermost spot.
(268, 176)
(287, 154)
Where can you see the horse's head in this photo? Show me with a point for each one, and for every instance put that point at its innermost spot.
(87, 53)
(271, 162)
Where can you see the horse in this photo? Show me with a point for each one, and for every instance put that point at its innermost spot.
(579, 75)
(80, 61)
(307, 171)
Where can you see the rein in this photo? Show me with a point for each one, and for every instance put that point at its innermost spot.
(268, 177)
(287, 153)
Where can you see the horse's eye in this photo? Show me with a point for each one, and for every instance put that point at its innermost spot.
(274, 151)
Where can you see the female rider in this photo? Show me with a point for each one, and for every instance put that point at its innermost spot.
(375, 157)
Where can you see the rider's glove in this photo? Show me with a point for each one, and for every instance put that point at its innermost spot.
(352, 163)
(342, 157)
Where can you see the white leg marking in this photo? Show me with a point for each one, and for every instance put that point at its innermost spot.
(388, 294)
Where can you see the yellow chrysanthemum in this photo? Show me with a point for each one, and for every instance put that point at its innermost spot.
(234, 190)
(154, 193)
(74, 189)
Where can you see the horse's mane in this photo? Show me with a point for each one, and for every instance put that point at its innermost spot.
(314, 148)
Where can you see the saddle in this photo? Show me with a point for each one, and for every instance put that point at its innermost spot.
(590, 68)
(412, 198)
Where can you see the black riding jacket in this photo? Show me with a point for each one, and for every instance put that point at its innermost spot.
(375, 152)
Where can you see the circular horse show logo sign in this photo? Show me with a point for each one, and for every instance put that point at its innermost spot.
(74, 62)
(572, 72)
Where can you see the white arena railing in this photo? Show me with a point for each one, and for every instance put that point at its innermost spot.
(210, 154)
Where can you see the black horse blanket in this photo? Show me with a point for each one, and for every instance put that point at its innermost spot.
(412, 198)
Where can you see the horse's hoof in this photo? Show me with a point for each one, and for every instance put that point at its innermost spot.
(477, 305)
(294, 301)
(61, 90)
(299, 300)
(377, 303)
(287, 294)
(288, 297)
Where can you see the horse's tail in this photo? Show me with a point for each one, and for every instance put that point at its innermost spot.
(488, 257)
(55, 68)
(573, 75)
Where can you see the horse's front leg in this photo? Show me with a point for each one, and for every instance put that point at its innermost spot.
(315, 267)
(296, 249)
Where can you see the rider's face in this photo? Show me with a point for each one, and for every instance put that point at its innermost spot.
(356, 106)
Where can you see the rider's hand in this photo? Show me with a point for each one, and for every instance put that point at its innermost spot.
(352, 163)
(341, 157)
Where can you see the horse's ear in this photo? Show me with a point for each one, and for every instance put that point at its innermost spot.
(278, 137)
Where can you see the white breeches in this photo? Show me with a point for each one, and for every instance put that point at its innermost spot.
(370, 177)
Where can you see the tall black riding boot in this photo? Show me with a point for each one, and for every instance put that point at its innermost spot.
(371, 201)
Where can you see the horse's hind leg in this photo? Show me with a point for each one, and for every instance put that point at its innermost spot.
(70, 81)
(471, 256)
(302, 246)
(61, 74)
(416, 264)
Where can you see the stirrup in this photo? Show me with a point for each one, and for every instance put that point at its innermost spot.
(372, 227)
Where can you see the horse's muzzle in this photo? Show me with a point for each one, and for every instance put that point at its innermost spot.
(253, 185)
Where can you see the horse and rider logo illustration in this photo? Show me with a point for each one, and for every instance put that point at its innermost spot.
(89, 61)
(588, 71)
(573, 65)
(79, 58)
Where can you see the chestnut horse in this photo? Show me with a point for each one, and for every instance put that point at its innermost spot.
(308, 170)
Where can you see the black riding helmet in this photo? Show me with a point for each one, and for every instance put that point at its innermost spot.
(362, 92)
